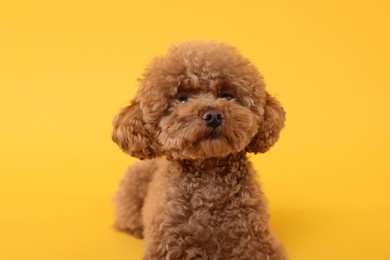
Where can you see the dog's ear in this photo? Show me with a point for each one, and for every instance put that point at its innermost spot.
(131, 135)
(270, 127)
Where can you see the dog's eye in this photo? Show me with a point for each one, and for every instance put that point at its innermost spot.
(183, 99)
(226, 96)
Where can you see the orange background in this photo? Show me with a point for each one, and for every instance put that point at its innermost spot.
(66, 67)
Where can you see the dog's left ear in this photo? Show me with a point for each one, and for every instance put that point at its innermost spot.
(270, 127)
(130, 133)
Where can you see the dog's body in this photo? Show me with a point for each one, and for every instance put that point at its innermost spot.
(198, 198)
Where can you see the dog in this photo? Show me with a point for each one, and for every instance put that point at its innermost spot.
(198, 111)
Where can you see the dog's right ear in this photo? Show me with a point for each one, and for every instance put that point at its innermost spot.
(130, 134)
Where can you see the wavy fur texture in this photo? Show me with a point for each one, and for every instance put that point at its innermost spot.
(195, 196)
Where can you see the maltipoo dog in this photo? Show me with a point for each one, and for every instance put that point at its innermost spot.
(198, 111)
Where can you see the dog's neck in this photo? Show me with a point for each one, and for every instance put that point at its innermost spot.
(217, 180)
(217, 165)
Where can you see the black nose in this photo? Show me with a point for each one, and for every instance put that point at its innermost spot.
(213, 118)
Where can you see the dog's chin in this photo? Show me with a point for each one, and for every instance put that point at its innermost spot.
(212, 144)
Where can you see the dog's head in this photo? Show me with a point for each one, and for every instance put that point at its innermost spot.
(200, 100)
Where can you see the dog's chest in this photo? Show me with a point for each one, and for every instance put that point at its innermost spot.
(212, 212)
(211, 199)
(210, 190)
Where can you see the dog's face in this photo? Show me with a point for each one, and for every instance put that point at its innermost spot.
(201, 100)
(209, 121)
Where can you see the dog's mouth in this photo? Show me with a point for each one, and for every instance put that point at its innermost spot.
(212, 135)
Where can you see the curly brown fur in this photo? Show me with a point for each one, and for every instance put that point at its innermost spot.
(197, 196)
